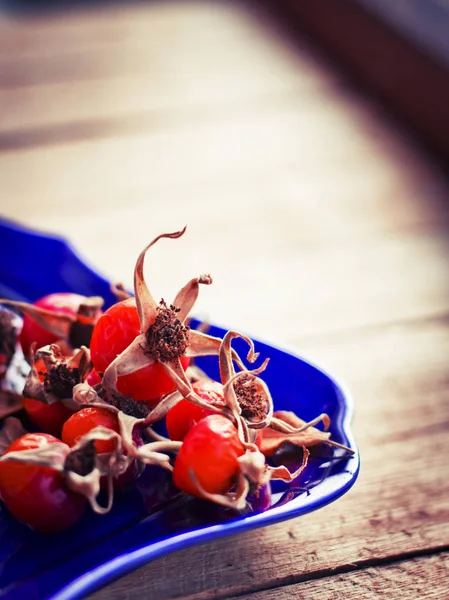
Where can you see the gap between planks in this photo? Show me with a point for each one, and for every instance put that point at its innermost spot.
(422, 577)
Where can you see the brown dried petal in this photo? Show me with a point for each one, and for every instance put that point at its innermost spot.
(235, 499)
(202, 344)
(186, 297)
(61, 376)
(130, 360)
(226, 355)
(56, 323)
(110, 465)
(9, 403)
(252, 466)
(126, 428)
(89, 486)
(154, 453)
(12, 429)
(184, 387)
(120, 292)
(146, 305)
(81, 361)
(281, 472)
(85, 395)
(270, 440)
(51, 455)
(162, 408)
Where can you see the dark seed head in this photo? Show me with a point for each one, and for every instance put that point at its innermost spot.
(167, 337)
(251, 400)
(81, 461)
(60, 380)
(80, 334)
(129, 406)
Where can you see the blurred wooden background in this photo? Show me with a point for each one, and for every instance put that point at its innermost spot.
(325, 228)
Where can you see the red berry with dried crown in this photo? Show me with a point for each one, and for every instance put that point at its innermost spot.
(208, 458)
(154, 345)
(49, 386)
(116, 329)
(62, 317)
(37, 495)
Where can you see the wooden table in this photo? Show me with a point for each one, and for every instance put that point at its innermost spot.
(325, 227)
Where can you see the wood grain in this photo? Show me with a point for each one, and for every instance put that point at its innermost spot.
(425, 578)
(153, 41)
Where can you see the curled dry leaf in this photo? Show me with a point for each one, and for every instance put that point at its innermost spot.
(59, 376)
(12, 429)
(9, 332)
(13, 366)
(10, 403)
(287, 427)
(73, 331)
(120, 292)
(154, 453)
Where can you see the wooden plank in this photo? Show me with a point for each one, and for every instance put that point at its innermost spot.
(426, 578)
(160, 99)
(95, 27)
(281, 297)
(320, 242)
(147, 39)
(398, 507)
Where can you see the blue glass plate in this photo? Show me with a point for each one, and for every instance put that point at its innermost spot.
(151, 520)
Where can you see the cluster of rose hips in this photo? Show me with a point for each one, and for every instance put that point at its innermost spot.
(99, 385)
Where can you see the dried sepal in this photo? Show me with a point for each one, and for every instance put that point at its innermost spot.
(72, 330)
(11, 431)
(187, 296)
(81, 467)
(253, 466)
(285, 426)
(194, 373)
(146, 305)
(235, 499)
(13, 366)
(281, 472)
(89, 486)
(50, 455)
(226, 355)
(185, 389)
(56, 323)
(84, 468)
(60, 376)
(130, 360)
(153, 453)
(10, 403)
(10, 325)
(161, 409)
(127, 424)
(85, 395)
(246, 396)
(120, 292)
